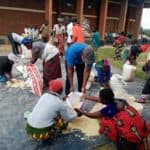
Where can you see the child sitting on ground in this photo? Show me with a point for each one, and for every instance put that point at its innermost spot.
(104, 72)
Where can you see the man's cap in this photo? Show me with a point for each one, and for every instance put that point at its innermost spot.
(89, 54)
(55, 85)
(26, 41)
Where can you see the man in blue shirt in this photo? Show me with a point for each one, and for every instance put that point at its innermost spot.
(79, 56)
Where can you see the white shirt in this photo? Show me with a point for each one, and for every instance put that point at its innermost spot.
(26, 53)
(69, 32)
(17, 38)
(59, 29)
(49, 52)
(26, 30)
(36, 32)
(47, 109)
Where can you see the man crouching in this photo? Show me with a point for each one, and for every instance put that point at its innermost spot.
(50, 114)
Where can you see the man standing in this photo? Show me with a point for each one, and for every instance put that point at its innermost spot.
(79, 56)
(77, 32)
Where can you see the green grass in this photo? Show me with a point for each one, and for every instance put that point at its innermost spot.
(147, 32)
(108, 53)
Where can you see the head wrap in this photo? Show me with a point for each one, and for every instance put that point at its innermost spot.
(26, 41)
(55, 85)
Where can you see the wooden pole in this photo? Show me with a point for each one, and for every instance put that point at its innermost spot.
(102, 19)
(79, 10)
(123, 15)
(138, 17)
(48, 13)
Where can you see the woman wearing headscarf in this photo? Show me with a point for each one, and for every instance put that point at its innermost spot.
(51, 62)
(59, 33)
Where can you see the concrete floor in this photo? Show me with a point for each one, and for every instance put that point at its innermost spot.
(13, 104)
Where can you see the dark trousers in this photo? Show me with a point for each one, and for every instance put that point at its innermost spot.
(14, 44)
(80, 71)
(146, 89)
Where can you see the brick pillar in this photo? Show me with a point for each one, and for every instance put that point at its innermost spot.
(123, 15)
(138, 17)
(102, 19)
(79, 10)
(48, 13)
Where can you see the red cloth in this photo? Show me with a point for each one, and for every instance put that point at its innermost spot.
(127, 123)
(55, 85)
(121, 38)
(51, 70)
(107, 127)
(37, 82)
(144, 47)
(60, 43)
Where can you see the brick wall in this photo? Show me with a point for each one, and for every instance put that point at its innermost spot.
(15, 21)
(32, 4)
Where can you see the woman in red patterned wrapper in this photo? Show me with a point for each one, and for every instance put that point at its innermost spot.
(119, 121)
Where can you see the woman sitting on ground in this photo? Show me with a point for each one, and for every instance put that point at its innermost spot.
(119, 121)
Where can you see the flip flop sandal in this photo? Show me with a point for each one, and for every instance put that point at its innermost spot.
(141, 100)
